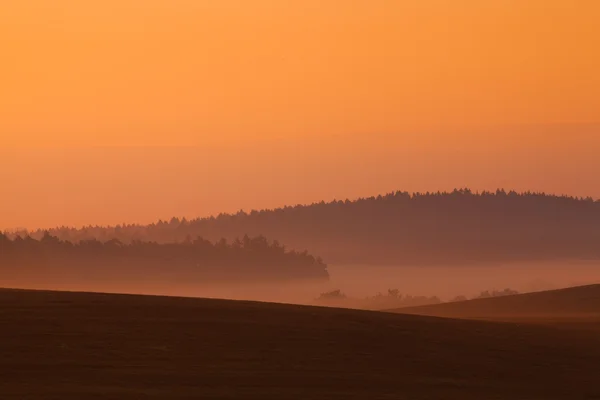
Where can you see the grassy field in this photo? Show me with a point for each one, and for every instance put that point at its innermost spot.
(60, 345)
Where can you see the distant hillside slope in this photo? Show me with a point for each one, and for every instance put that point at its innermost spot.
(400, 228)
(84, 346)
(574, 301)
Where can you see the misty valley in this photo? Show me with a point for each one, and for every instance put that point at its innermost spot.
(299, 200)
(428, 248)
(430, 295)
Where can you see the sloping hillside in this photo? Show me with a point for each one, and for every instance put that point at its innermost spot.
(570, 303)
(401, 228)
(97, 346)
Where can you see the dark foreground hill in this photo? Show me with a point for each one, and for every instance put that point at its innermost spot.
(58, 345)
(581, 303)
(401, 228)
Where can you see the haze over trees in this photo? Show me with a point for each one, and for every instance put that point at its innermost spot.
(400, 228)
(392, 299)
(198, 260)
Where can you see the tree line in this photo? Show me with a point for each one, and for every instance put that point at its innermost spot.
(399, 228)
(394, 299)
(193, 260)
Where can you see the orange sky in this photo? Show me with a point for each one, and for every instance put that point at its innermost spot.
(380, 94)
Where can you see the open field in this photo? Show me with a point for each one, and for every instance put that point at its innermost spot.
(60, 345)
(575, 307)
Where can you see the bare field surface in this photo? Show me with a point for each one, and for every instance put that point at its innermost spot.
(61, 345)
(574, 307)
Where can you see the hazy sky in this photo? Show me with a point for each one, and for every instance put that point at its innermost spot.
(288, 101)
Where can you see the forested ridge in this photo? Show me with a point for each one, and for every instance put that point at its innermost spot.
(191, 260)
(400, 228)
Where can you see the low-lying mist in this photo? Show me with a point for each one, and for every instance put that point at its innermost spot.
(448, 282)
(445, 282)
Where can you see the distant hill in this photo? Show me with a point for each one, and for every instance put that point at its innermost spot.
(401, 228)
(58, 345)
(570, 302)
(200, 261)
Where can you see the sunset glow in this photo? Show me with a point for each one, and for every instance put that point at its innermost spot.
(273, 98)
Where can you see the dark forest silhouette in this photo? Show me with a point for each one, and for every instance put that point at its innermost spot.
(196, 260)
(401, 228)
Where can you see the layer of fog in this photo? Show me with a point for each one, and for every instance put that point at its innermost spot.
(357, 281)
(448, 282)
